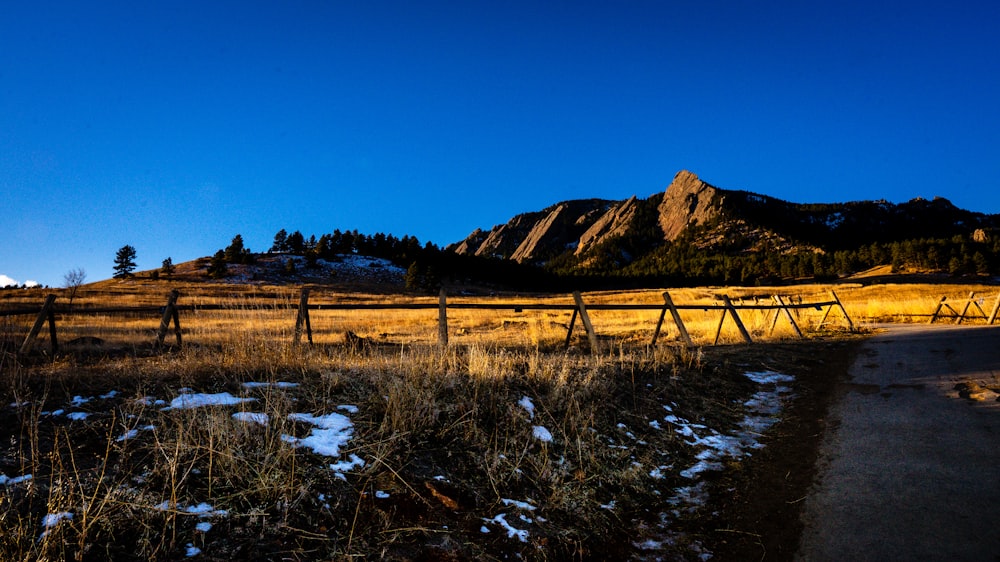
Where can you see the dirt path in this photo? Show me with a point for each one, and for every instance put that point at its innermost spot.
(908, 469)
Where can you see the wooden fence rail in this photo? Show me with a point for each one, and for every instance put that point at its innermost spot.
(171, 313)
(971, 302)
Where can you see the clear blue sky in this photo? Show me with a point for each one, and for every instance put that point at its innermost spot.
(172, 126)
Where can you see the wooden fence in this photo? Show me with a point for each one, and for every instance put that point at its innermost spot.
(170, 313)
(972, 305)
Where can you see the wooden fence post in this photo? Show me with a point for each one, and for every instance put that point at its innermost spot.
(591, 335)
(668, 304)
(572, 322)
(996, 310)
(169, 313)
(302, 318)
(937, 311)
(443, 318)
(836, 299)
(736, 318)
(784, 308)
(46, 313)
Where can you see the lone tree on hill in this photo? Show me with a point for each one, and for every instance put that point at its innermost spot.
(72, 281)
(124, 262)
(167, 268)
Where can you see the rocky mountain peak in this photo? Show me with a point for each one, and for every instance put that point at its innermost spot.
(688, 201)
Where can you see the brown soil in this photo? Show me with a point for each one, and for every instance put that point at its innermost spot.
(758, 504)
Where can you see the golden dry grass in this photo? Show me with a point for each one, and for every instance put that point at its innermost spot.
(253, 315)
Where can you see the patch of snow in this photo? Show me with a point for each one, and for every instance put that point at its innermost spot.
(77, 416)
(20, 404)
(346, 466)
(768, 377)
(381, 495)
(192, 551)
(110, 394)
(202, 509)
(501, 519)
(654, 424)
(53, 519)
(528, 406)
(541, 433)
(80, 400)
(203, 527)
(349, 408)
(252, 417)
(518, 504)
(331, 432)
(191, 400)
(279, 384)
(8, 481)
(130, 434)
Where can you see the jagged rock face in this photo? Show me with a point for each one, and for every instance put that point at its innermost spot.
(615, 222)
(598, 232)
(687, 202)
(536, 236)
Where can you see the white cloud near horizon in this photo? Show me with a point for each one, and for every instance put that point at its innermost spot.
(6, 281)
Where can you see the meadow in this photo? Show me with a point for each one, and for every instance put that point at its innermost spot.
(241, 445)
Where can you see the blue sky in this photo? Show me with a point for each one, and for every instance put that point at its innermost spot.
(174, 126)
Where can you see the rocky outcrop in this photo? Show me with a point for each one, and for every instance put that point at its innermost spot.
(687, 202)
(536, 236)
(607, 234)
(615, 222)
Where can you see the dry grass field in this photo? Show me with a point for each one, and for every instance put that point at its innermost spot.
(240, 445)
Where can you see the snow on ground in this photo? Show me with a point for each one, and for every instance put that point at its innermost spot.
(541, 433)
(330, 433)
(134, 432)
(712, 448)
(53, 519)
(346, 267)
(278, 384)
(259, 418)
(8, 481)
(198, 400)
(528, 406)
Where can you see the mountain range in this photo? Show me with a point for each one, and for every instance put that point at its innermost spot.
(599, 234)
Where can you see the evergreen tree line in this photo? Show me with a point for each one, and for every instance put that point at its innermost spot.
(627, 262)
(682, 262)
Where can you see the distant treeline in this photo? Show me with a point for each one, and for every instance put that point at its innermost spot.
(683, 262)
(678, 263)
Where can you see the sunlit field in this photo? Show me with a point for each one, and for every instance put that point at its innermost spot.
(377, 442)
(268, 313)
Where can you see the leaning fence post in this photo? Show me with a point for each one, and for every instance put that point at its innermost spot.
(572, 322)
(788, 314)
(302, 318)
(850, 325)
(668, 304)
(591, 335)
(965, 309)
(937, 310)
(169, 312)
(443, 318)
(46, 313)
(996, 310)
(736, 318)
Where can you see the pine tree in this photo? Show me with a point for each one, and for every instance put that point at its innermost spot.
(280, 244)
(167, 267)
(218, 268)
(124, 262)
